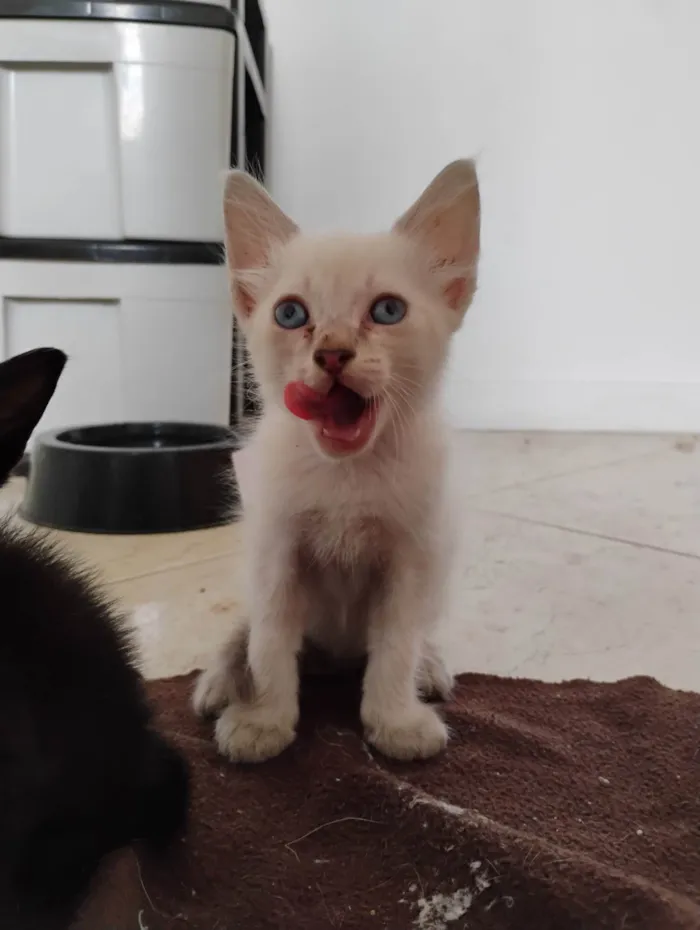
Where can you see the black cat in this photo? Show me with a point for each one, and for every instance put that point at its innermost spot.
(82, 771)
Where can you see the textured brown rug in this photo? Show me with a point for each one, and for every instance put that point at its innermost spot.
(555, 807)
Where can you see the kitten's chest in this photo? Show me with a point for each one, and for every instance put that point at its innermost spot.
(359, 513)
(346, 536)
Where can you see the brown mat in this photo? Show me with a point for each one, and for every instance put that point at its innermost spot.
(555, 806)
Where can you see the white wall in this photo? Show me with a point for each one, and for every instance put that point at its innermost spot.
(585, 117)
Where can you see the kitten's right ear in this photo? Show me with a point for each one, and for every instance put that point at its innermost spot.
(446, 220)
(254, 226)
(27, 383)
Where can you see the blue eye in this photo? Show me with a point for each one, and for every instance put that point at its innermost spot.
(388, 310)
(291, 314)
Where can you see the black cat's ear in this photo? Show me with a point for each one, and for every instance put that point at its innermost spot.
(27, 383)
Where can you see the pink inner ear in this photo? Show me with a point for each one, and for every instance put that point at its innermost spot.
(244, 301)
(455, 292)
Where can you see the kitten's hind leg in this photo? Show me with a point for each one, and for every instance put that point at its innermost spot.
(435, 682)
(228, 679)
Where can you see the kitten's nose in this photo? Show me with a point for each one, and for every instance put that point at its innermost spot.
(333, 360)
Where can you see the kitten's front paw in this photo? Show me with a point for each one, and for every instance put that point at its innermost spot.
(252, 734)
(419, 733)
(434, 681)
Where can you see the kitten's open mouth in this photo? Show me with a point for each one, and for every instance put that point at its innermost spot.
(343, 419)
(349, 421)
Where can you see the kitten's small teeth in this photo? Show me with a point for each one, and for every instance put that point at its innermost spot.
(349, 437)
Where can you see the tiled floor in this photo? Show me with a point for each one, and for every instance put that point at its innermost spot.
(581, 559)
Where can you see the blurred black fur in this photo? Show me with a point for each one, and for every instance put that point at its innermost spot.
(82, 771)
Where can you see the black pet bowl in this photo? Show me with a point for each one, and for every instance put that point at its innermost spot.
(132, 478)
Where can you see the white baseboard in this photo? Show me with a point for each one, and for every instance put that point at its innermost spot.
(591, 406)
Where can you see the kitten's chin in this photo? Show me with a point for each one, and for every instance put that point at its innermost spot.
(345, 440)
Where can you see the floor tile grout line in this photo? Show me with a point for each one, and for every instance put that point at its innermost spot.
(167, 568)
(577, 531)
(522, 485)
(98, 567)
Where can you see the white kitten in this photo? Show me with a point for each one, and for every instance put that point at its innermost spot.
(345, 522)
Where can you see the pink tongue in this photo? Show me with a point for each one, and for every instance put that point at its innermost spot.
(338, 410)
(304, 402)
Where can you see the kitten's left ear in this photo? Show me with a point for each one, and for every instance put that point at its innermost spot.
(254, 226)
(446, 220)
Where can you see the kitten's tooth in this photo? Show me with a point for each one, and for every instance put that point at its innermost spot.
(342, 434)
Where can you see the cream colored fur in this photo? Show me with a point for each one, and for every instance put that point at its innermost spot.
(350, 552)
